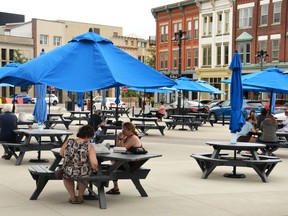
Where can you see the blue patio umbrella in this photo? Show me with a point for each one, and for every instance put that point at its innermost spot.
(89, 62)
(187, 84)
(80, 101)
(40, 109)
(236, 95)
(212, 88)
(117, 100)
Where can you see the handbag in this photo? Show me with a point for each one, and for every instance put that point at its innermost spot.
(59, 173)
(137, 150)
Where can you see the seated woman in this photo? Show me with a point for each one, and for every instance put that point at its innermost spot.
(269, 128)
(161, 111)
(79, 162)
(253, 117)
(244, 135)
(127, 138)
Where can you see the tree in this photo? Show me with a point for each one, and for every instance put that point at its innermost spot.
(20, 58)
(151, 59)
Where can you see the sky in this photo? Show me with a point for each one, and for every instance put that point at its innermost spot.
(133, 15)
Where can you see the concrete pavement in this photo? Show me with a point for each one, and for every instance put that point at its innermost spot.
(174, 185)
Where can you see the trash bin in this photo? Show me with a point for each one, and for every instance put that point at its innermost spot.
(69, 106)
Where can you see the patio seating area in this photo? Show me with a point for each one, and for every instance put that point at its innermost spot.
(173, 185)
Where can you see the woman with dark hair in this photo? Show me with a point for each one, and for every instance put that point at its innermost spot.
(261, 118)
(127, 138)
(79, 162)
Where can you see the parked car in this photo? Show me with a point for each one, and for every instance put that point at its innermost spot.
(53, 99)
(224, 109)
(278, 102)
(26, 98)
(215, 103)
(282, 108)
(110, 102)
(189, 106)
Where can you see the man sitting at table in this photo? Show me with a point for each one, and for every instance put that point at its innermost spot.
(127, 138)
(96, 120)
(8, 123)
(245, 134)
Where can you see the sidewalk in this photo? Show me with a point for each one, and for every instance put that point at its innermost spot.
(174, 185)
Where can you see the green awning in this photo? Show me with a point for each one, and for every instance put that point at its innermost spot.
(244, 37)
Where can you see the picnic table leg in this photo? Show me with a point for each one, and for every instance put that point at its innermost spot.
(101, 196)
(40, 184)
(20, 158)
(139, 187)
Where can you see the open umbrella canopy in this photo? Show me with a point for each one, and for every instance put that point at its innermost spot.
(15, 81)
(245, 87)
(187, 84)
(89, 62)
(154, 90)
(236, 95)
(212, 88)
(272, 79)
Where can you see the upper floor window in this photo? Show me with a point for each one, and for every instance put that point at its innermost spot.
(132, 43)
(264, 14)
(245, 17)
(207, 25)
(44, 39)
(195, 57)
(188, 63)
(226, 54)
(207, 56)
(189, 28)
(218, 50)
(219, 23)
(275, 45)
(164, 33)
(164, 60)
(196, 29)
(226, 25)
(177, 27)
(244, 49)
(57, 41)
(175, 58)
(276, 12)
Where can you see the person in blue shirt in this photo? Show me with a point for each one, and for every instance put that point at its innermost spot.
(245, 134)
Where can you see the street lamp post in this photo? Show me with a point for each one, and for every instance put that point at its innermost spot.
(179, 36)
(262, 55)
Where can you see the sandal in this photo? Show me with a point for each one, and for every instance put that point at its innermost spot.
(113, 191)
(75, 200)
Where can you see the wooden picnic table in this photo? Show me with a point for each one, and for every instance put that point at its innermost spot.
(183, 120)
(57, 118)
(147, 124)
(79, 116)
(263, 165)
(125, 166)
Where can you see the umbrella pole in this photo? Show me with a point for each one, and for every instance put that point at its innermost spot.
(91, 107)
(233, 174)
(14, 100)
(49, 102)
